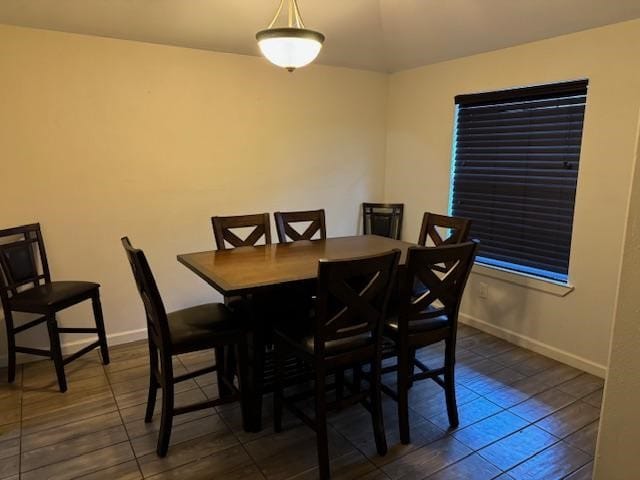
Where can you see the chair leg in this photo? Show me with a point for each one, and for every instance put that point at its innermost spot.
(11, 349)
(56, 352)
(339, 375)
(102, 337)
(153, 383)
(278, 390)
(357, 378)
(243, 380)
(403, 374)
(412, 365)
(166, 418)
(322, 436)
(376, 407)
(450, 384)
(221, 368)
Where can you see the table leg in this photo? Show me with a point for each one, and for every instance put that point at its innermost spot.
(257, 343)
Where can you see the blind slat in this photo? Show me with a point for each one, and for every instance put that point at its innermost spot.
(516, 160)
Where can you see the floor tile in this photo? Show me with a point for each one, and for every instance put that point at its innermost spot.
(124, 471)
(360, 434)
(583, 473)
(594, 399)
(9, 466)
(187, 452)
(428, 401)
(10, 431)
(427, 460)
(557, 374)
(585, 439)
(494, 381)
(517, 392)
(64, 433)
(72, 448)
(232, 463)
(293, 452)
(473, 467)
(582, 385)
(535, 364)
(10, 448)
(468, 413)
(84, 409)
(83, 464)
(183, 398)
(466, 372)
(489, 430)
(553, 463)
(542, 404)
(350, 466)
(569, 419)
(517, 447)
(180, 433)
(96, 429)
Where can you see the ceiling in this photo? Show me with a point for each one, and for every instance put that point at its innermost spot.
(382, 35)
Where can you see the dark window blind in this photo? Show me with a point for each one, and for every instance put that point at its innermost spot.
(515, 171)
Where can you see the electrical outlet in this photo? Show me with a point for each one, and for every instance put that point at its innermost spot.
(484, 290)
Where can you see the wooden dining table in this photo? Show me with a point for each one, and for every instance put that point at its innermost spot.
(255, 272)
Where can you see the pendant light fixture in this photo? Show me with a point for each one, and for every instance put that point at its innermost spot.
(292, 46)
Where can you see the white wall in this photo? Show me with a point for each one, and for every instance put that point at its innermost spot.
(619, 432)
(101, 138)
(574, 328)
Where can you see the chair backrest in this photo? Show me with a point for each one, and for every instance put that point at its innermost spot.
(384, 219)
(430, 290)
(157, 322)
(314, 218)
(23, 260)
(223, 230)
(456, 230)
(352, 297)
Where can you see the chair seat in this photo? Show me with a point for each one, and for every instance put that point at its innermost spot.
(300, 334)
(201, 327)
(417, 326)
(52, 296)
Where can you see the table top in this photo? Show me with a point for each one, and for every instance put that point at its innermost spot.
(247, 269)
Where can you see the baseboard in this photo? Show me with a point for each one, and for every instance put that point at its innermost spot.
(70, 347)
(536, 346)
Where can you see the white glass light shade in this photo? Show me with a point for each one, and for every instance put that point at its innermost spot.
(290, 48)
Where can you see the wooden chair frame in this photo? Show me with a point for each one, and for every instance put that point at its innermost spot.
(393, 212)
(344, 313)
(161, 353)
(440, 299)
(286, 233)
(14, 277)
(458, 226)
(222, 227)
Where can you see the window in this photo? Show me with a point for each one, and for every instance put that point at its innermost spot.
(515, 170)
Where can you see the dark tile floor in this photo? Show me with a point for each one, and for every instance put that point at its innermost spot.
(522, 416)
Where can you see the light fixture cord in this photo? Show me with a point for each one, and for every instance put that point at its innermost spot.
(294, 15)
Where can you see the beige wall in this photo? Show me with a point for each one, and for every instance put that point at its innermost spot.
(574, 328)
(619, 433)
(100, 138)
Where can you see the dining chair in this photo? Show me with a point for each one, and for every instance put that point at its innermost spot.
(26, 287)
(455, 230)
(427, 317)
(346, 329)
(223, 230)
(202, 327)
(285, 222)
(384, 219)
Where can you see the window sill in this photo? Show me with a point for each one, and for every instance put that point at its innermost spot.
(521, 279)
